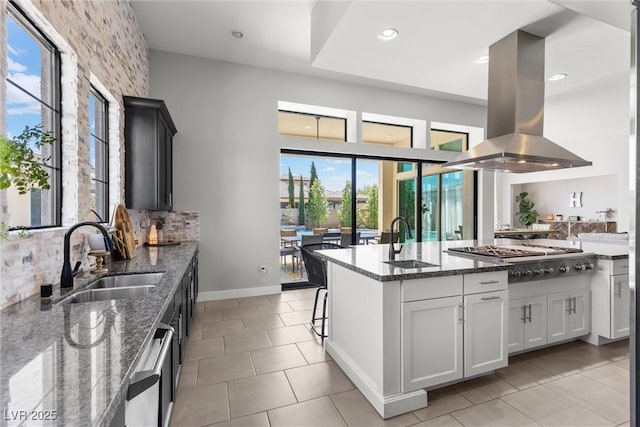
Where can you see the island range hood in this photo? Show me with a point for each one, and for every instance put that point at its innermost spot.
(515, 113)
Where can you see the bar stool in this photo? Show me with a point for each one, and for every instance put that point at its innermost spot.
(317, 274)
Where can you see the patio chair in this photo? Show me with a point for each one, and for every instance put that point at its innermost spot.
(345, 239)
(385, 237)
(317, 274)
(307, 239)
(287, 248)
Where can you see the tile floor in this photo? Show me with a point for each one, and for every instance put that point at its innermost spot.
(254, 362)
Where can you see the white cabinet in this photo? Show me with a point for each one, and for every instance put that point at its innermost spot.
(527, 323)
(610, 301)
(431, 342)
(445, 338)
(569, 315)
(620, 306)
(485, 332)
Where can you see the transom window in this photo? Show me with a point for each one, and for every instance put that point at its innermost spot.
(387, 134)
(33, 102)
(99, 153)
(313, 126)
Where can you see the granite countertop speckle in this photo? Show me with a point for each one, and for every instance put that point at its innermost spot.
(75, 359)
(369, 260)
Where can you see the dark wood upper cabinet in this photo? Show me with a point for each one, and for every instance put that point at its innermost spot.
(148, 141)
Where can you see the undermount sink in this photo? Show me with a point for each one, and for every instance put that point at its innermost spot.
(127, 280)
(105, 294)
(410, 263)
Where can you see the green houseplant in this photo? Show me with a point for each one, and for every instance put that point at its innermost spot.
(23, 168)
(527, 215)
(20, 166)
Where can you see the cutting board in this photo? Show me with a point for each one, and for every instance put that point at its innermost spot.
(122, 222)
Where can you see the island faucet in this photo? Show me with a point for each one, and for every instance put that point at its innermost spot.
(66, 277)
(392, 247)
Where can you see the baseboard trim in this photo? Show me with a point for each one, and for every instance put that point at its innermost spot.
(238, 293)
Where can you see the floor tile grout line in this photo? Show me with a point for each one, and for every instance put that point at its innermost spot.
(584, 406)
(338, 409)
(519, 411)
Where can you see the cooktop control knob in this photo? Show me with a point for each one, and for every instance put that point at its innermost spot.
(578, 267)
(526, 273)
(588, 265)
(538, 272)
(563, 268)
(515, 274)
(548, 270)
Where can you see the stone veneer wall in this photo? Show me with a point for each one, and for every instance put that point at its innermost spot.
(101, 40)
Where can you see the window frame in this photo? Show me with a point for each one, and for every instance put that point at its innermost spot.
(103, 139)
(14, 12)
(317, 116)
(410, 127)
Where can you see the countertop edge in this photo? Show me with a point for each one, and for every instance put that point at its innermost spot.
(108, 414)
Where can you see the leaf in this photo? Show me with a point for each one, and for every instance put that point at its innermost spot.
(20, 166)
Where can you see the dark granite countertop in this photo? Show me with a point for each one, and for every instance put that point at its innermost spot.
(369, 260)
(75, 359)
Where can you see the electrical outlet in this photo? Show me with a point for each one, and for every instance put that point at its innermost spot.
(262, 269)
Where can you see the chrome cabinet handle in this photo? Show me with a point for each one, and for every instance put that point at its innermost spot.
(489, 282)
(143, 380)
(619, 293)
(461, 316)
(569, 310)
(490, 298)
(524, 314)
(529, 316)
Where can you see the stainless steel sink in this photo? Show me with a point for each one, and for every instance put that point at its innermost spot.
(105, 294)
(410, 263)
(127, 280)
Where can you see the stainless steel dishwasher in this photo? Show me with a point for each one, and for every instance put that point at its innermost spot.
(149, 399)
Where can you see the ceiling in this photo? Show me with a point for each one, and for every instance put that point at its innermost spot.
(434, 53)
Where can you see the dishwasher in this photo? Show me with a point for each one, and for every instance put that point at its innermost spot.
(149, 398)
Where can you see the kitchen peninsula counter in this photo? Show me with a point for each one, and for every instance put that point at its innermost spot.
(71, 363)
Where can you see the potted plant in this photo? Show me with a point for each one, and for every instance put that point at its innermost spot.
(527, 215)
(23, 168)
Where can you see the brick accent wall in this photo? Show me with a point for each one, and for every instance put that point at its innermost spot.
(98, 40)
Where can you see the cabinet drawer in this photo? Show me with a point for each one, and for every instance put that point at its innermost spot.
(620, 266)
(485, 282)
(433, 287)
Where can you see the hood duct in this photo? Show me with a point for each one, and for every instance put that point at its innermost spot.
(515, 113)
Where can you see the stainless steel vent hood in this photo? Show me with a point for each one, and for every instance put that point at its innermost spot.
(515, 112)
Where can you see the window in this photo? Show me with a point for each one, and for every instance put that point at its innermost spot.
(387, 134)
(33, 99)
(99, 153)
(313, 126)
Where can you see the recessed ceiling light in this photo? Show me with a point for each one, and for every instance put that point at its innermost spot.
(555, 165)
(307, 127)
(388, 34)
(237, 34)
(482, 59)
(557, 77)
(522, 161)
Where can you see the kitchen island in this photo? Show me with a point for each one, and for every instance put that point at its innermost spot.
(399, 332)
(385, 322)
(70, 364)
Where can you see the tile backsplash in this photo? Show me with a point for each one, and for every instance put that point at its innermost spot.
(30, 261)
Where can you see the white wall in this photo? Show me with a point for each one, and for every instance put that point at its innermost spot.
(227, 153)
(598, 193)
(593, 122)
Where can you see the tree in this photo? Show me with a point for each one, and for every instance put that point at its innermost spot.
(371, 219)
(301, 203)
(318, 211)
(345, 210)
(291, 191)
(313, 175)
